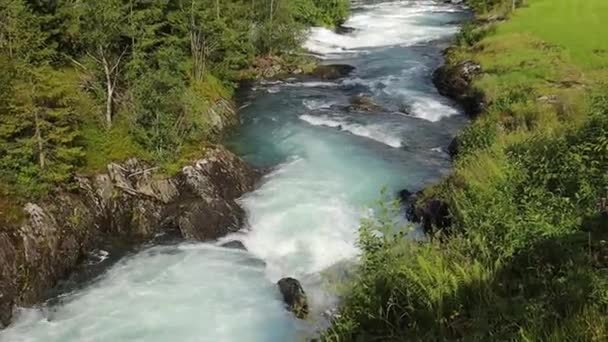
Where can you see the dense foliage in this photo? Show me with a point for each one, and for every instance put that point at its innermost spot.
(526, 258)
(84, 82)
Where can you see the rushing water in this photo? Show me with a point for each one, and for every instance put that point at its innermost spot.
(327, 166)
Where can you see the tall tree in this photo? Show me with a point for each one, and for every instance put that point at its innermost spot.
(104, 34)
(39, 128)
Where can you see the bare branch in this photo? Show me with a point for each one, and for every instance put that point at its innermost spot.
(78, 64)
(119, 59)
(93, 57)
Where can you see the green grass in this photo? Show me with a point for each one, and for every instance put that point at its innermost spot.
(578, 26)
(105, 146)
(554, 47)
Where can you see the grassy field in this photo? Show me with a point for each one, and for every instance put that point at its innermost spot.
(554, 47)
(579, 27)
(527, 258)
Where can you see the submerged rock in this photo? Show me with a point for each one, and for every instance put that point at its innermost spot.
(363, 103)
(234, 244)
(342, 29)
(294, 296)
(253, 262)
(455, 81)
(332, 71)
(405, 108)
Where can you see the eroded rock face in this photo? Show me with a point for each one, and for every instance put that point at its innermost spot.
(131, 201)
(294, 296)
(208, 189)
(8, 281)
(455, 81)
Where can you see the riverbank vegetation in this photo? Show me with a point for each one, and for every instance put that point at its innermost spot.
(526, 256)
(83, 83)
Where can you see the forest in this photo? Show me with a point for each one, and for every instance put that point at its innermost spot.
(88, 82)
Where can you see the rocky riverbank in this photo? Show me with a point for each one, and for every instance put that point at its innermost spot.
(132, 201)
(454, 79)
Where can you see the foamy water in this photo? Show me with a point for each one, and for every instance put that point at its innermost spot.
(382, 25)
(375, 132)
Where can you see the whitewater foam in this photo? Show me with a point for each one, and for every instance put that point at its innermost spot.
(431, 108)
(311, 84)
(381, 25)
(190, 292)
(317, 104)
(374, 132)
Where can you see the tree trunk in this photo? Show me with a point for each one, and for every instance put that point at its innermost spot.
(109, 90)
(271, 9)
(109, 106)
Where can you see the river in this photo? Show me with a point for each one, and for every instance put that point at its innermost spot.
(327, 166)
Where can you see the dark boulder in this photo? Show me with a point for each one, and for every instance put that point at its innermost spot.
(455, 82)
(453, 148)
(234, 244)
(341, 29)
(294, 296)
(408, 201)
(432, 213)
(332, 71)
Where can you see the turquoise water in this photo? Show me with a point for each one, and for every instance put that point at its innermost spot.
(325, 169)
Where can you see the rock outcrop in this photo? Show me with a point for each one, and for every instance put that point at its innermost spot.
(131, 201)
(294, 296)
(455, 81)
(221, 115)
(432, 213)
